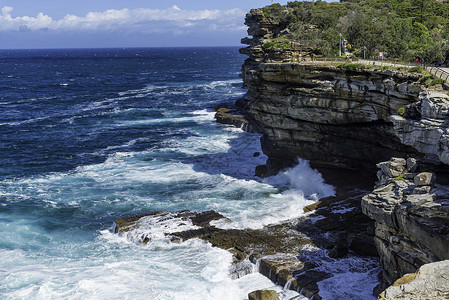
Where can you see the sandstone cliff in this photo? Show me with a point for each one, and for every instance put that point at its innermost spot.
(412, 218)
(334, 116)
(430, 282)
(355, 118)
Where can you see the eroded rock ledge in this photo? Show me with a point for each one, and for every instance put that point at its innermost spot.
(294, 252)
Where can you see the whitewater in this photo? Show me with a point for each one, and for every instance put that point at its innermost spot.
(90, 136)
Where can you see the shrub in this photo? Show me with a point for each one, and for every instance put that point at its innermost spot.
(277, 44)
(273, 45)
(436, 81)
(416, 69)
(352, 66)
(401, 111)
(429, 80)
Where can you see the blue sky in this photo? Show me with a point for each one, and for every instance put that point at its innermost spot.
(123, 23)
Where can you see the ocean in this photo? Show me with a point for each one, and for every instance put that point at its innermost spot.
(88, 136)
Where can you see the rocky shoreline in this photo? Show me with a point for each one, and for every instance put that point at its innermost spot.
(291, 254)
(345, 122)
(348, 118)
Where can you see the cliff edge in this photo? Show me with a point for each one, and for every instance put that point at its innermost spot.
(335, 115)
(349, 116)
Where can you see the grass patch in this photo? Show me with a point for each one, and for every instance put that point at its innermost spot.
(416, 69)
(273, 45)
(399, 178)
(429, 80)
(352, 66)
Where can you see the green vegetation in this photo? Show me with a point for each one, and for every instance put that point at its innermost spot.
(278, 43)
(401, 111)
(416, 69)
(403, 29)
(399, 178)
(429, 80)
(353, 66)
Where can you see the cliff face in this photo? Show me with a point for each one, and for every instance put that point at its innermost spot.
(412, 218)
(344, 118)
(330, 116)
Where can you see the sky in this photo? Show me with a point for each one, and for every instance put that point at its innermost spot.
(35, 24)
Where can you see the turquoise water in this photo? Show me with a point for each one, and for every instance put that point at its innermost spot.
(90, 136)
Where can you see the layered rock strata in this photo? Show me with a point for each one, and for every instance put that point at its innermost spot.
(412, 218)
(230, 116)
(335, 116)
(425, 126)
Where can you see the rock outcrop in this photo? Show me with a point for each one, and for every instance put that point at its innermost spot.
(274, 248)
(225, 115)
(412, 218)
(335, 116)
(430, 282)
(291, 254)
(263, 295)
(425, 126)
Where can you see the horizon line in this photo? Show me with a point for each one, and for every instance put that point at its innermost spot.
(131, 47)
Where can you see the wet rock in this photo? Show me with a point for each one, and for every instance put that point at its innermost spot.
(307, 282)
(279, 267)
(274, 248)
(263, 295)
(363, 244)
(203, 219)
(342, 216)
(338, 251)
(262, 171)
(241, 268)
(128, 223)
(230, 116)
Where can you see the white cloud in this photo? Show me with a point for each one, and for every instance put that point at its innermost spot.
(146, 20)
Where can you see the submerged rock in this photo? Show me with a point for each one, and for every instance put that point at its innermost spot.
(285, 253)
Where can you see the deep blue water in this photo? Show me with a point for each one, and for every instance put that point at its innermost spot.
(91, 135)
(59, 108)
